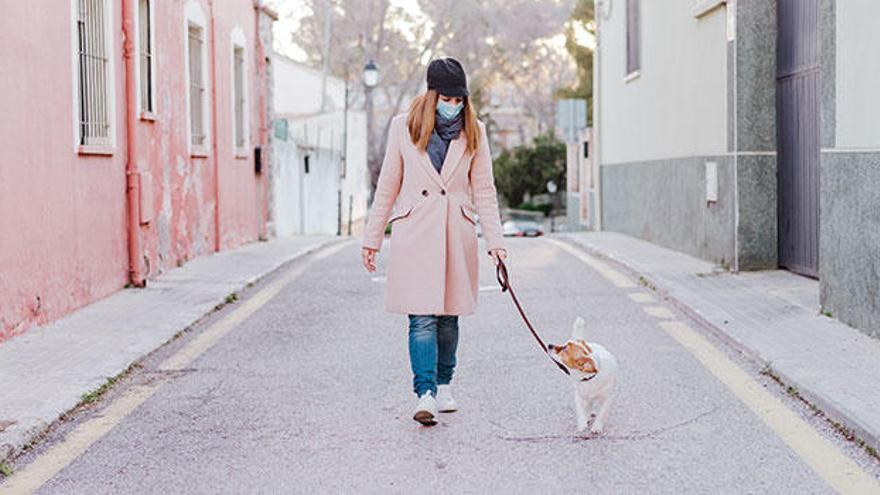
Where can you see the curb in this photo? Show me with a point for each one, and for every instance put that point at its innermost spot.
(847, 424)
(26, 431)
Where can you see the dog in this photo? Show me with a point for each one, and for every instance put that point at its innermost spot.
(594, 372)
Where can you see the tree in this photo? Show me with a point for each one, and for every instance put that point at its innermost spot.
(583, 19)
(527, 169)
(494, 40)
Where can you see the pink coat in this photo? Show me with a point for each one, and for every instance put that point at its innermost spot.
(433, 265)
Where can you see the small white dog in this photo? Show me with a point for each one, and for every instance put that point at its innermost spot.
(594, 371)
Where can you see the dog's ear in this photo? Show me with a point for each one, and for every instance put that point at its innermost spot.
(579, 331)
(586, 364)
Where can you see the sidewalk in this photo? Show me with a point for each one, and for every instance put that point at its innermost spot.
(46, 371)
(773, 317)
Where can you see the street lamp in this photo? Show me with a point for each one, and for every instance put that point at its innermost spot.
(371, 79)
(371, 74)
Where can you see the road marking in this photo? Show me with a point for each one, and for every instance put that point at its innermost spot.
(641, 297)
(60, 455)
(615, 277)
(380, 279)
(832, 465)
(658, 311)
(487, 288)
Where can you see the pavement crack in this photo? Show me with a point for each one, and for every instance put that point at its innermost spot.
(636, 435)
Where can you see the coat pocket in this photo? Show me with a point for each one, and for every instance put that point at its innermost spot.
(469, 214)
(401, 213)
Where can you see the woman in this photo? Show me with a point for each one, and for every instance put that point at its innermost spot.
(438, 170)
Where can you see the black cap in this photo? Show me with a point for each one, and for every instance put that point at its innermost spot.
(446, 75)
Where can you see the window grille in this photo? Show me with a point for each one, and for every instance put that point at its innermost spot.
(94, 124)
(146, 56)
(633, 36)
(196, 86)
(238, 75)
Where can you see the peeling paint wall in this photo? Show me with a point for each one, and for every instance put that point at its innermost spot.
(63, 225)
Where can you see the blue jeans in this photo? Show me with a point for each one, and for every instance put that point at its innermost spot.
(432, 343)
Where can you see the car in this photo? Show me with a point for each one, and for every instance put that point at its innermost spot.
(522, 228)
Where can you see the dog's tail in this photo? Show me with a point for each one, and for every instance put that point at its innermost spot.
(579, 329)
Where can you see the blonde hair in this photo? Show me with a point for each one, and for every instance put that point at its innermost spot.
(420, 121)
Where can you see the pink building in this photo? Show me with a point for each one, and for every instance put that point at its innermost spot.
(130, 138)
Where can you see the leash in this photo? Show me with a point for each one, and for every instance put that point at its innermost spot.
(504, 282)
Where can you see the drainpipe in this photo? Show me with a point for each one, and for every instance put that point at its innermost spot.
(132, 175)
(214, 139)
(259, 86)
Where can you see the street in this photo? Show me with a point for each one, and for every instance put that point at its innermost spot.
(310, 391)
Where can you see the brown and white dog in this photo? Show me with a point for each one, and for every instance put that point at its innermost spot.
(594, 372)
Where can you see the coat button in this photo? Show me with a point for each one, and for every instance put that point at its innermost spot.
(443, 192)
(424, 192)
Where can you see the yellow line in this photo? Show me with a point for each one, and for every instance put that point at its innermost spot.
(658, 311)
(832, 465)
(41, 470)
(641, 297)
(838, 470)
(615, 277)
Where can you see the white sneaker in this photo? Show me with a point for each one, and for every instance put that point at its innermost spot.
(426, 411)
(445, 402)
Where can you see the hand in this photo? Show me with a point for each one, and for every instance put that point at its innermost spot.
(369, 256)
(498, 254)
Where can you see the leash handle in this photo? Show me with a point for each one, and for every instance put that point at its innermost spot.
(504, 281)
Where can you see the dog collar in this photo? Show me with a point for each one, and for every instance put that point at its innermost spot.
(596, 359)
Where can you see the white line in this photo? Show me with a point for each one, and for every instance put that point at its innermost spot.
(658, 311)
(641, 297)
(57, 457)
(615, 277)
(832, 465)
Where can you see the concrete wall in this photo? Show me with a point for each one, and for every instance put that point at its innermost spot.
(858, 67)
(63, 225)
(660, 127)
(677, 106)
(705, 93)
(849, 243)
(309, 203)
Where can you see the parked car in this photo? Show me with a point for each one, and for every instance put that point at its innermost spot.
(522, 228)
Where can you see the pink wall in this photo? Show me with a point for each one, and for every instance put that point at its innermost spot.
(63, 224)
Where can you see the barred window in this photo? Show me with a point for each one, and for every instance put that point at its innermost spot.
(93, 73)
(238, 97)
(633, 37)
(196, 86)
(146, 55)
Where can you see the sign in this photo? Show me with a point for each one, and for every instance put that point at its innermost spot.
(571, 117)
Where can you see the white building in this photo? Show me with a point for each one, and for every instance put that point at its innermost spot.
(320, 181)
(744, 132)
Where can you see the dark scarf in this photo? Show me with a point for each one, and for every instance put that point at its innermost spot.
(444, 132)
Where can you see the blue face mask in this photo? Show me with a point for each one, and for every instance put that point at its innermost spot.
(448, 110)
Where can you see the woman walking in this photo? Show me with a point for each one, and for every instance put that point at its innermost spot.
(437, 177)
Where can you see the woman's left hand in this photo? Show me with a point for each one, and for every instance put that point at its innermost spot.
(498, 254)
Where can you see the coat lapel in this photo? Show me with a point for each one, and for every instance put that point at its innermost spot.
(453, 157)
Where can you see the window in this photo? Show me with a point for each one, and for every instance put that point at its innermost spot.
(633, 37)
(239, 92)
(197, 94)
(238, 76)
(146, 80)
(94, 84)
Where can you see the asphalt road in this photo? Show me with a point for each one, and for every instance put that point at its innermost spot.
(311, 393)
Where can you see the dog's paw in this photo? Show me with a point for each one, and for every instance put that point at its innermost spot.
(597, 427)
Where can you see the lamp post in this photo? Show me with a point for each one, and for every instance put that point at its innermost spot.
(371, 78)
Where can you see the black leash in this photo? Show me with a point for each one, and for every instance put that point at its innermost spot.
(504, 282)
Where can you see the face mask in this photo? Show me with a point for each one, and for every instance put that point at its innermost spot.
(448, 110)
